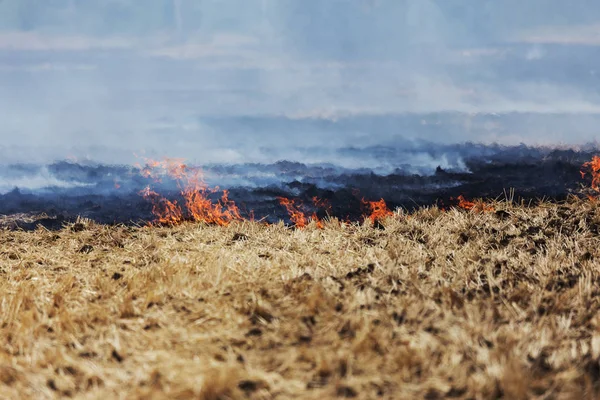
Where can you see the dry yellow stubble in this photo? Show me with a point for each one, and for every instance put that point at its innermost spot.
(438, 304)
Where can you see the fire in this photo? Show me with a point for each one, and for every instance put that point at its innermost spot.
(594, 168)
(197, 199)
(296, 214)
(299, 216)
(477, 205)
(172, 167)
(321, 203)
(197, 205)
(377, 209)
(166, 211)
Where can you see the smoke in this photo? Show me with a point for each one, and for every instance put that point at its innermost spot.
(241, 81)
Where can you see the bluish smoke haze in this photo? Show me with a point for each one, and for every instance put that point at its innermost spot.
(233, 81)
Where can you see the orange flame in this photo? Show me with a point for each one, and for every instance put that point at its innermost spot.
(298, 216)
(198, 206)
(378, 210)
(321, 203)
(477, 205)
(594, 167)
(166, 211)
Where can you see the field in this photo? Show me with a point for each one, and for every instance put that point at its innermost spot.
(435, 304)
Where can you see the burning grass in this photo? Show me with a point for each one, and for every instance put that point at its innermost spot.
(199, 207)
(455, 304)
(593, 168)
(477, 205)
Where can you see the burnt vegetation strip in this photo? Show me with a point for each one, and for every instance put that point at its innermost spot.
(439, 304)
(533, 174)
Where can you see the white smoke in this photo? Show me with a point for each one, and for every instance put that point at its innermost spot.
(106, 79)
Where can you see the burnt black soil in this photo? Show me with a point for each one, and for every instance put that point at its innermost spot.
(531, 173)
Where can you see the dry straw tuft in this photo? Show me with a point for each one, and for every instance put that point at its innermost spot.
(457, 304)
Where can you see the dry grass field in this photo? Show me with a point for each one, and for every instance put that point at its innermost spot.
(430, 305)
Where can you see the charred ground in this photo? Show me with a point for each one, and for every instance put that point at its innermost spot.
(111, 194)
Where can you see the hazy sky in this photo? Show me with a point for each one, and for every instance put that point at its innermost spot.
(105, 78)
